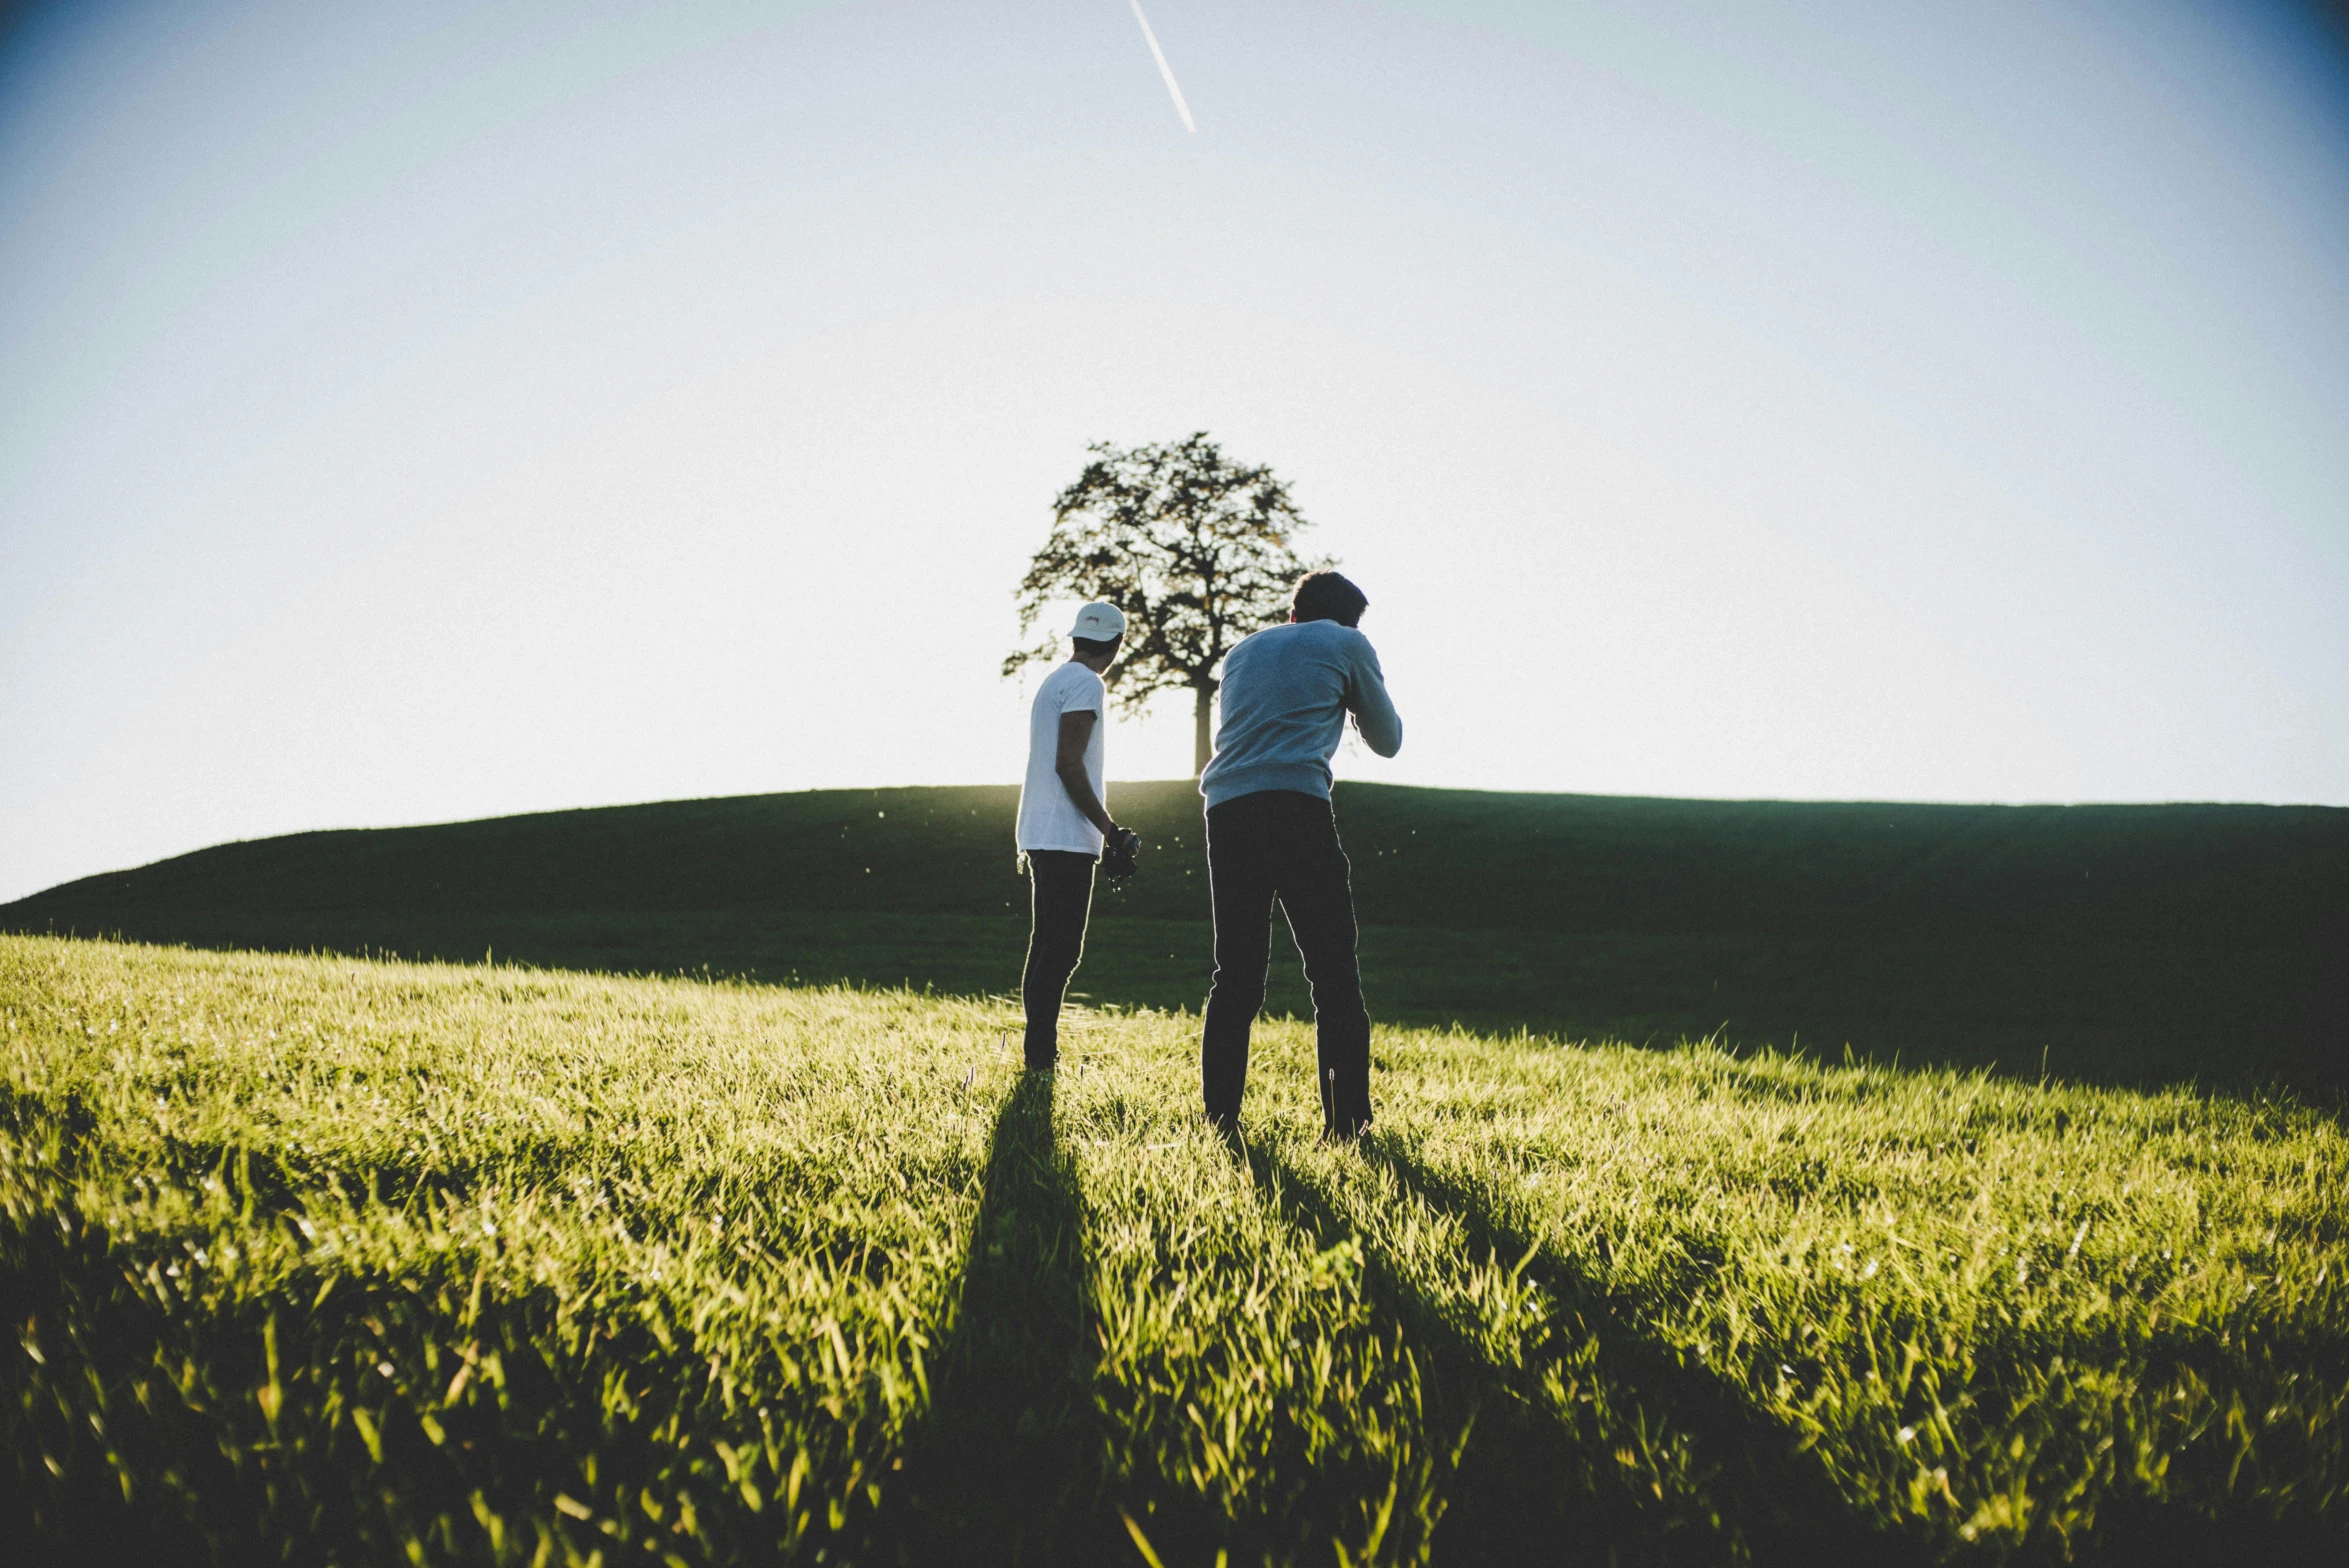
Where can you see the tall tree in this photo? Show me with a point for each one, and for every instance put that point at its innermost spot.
(1198, 551)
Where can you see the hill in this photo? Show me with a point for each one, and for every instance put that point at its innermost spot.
(2116, 942)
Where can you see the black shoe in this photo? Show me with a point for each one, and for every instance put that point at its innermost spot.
(1227, 1132)
(1345, 1108)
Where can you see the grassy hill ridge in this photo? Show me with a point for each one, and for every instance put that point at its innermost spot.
(2227, 875)
(2112, 943)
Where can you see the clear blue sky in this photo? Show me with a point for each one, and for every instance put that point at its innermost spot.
(426, 411)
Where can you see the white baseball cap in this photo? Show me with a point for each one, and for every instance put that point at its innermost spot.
(1099, 622)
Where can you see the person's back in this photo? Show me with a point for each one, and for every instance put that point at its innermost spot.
(1271, 835)
(1064, 821)
(1286, 692)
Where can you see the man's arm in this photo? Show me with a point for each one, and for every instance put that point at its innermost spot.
(1366, 695)
(1076, 732)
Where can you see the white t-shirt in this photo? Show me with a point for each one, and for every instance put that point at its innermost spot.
(1048, 818)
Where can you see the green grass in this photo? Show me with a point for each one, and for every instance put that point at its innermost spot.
(2097, 1012)
(314, 1259)
(2111, 944)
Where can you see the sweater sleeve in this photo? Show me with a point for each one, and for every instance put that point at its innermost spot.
(1366, 695)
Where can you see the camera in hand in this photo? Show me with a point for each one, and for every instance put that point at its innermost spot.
(1119, 852)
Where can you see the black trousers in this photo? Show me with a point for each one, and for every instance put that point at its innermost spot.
(1283, 844)
(1060, 889)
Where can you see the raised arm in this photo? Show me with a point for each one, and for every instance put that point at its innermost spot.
(1366, 698)
(1068, 761)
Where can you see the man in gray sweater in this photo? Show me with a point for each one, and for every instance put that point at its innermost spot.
(1271, 834)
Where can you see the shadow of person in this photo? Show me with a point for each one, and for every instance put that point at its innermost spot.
(1750, 1484)
(1540, 1481)
(1005, 1466)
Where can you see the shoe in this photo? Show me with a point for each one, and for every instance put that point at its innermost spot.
(1345, 1111)
(1227, 1132)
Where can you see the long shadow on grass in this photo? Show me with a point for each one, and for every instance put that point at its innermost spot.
(137, 1435)
(1756, 1490)
(1600, 1446)
(1004, 1469)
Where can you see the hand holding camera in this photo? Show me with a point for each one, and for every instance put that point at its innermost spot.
(1119, 852)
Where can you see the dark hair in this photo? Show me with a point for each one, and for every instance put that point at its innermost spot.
(1326, 596)
(1097, 645)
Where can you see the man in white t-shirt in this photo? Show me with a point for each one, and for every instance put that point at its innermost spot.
(1064, 819)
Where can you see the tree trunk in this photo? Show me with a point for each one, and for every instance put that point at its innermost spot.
(1203, 732)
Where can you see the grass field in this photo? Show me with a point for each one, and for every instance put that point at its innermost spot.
(2105, 944)
(313, 1259)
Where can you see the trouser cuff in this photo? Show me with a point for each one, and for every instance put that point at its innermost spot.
(1345, 1102)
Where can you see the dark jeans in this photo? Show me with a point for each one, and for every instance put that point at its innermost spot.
(1283, 844)
(1060, 886)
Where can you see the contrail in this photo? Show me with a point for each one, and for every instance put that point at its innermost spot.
(1165, 69)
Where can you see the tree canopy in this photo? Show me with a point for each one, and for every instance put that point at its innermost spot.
(1197, 550)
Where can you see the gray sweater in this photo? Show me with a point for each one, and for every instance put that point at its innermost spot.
(1286, 693)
